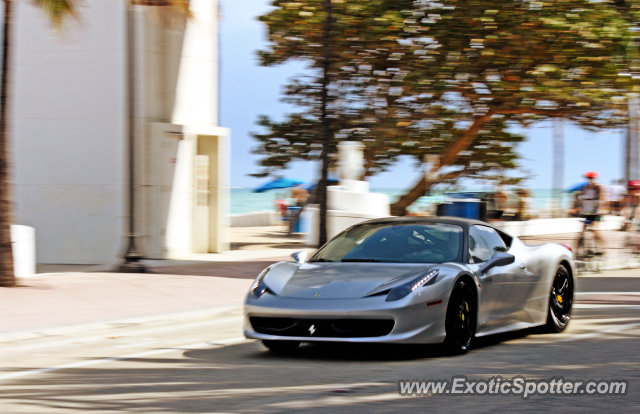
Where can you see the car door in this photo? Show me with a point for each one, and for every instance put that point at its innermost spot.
(531, 307)
(500, 291)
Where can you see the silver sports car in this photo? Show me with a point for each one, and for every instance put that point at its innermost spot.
(412, 280)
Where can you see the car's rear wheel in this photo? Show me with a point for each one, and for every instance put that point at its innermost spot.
(281, 346)
(461, 319)
(560, 301)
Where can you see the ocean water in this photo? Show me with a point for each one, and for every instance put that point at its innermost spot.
(244, 200)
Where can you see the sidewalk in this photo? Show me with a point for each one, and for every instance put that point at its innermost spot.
(616, 255)
(76, 295)
(80, 298)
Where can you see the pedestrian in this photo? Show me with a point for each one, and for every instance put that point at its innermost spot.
(300, 195)
(592, 203)
(500, 202)
(525, 204)
(281, 205)
(576, 205)
(617, 196)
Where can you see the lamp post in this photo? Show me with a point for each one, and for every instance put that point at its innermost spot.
(631, 155)
(558, 163)
(132, 257)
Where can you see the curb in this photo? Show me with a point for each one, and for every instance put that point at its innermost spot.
(605, 265)
(120, 326)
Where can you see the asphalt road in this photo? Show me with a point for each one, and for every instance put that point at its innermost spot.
(209, 368)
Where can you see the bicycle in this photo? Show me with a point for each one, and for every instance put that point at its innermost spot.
(632, 239)
(590, 248)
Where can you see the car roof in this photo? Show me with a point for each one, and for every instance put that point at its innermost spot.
(460, 221)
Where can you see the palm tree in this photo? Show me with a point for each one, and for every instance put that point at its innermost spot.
(57, 11)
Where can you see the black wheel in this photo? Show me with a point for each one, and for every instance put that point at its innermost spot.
(586, 247)
(281, 346)
(632, 245)
(560, 301)
(590, 251)
(461, 320)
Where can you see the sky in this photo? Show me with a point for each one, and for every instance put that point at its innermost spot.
(249, 90)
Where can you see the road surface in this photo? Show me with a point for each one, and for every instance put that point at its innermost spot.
(209, 367)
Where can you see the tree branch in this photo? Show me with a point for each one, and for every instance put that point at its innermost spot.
(399, 208)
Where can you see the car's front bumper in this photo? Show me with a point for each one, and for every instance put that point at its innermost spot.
(415, 322)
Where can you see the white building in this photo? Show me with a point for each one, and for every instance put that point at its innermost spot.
(69, 124)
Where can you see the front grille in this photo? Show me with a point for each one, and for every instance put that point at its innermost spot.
(322, 328)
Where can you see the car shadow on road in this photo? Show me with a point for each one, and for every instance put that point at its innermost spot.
(359, 352)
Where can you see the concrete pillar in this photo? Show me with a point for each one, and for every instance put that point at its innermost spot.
(216, 148)
(351, 160)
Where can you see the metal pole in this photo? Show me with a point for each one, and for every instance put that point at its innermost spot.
(132, 256)
(558, 160)
(632, 170)
(325, 123)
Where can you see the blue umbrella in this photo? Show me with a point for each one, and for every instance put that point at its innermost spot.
(576, 187)
(278, 183)
(330, 181)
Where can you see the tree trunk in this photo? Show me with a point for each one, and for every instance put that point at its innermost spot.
(326, 126)
(7, 277)
(399, 208)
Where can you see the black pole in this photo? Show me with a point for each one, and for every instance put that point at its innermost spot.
(132, 256)
(325, 125)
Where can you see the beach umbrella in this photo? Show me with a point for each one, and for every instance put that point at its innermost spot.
(330, 181)
(576, 187)
(277, 183)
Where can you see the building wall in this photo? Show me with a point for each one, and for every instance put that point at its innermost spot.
(70, 131)
(178, 111)
(68, 123)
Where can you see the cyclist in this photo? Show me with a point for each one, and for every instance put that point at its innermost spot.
(633, 198)
(592, 203)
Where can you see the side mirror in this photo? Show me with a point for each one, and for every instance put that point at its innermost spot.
(498, 259)
(300, 257)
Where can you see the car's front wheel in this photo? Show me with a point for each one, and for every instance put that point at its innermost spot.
(560, 301)
(281, 346)
(461, 319)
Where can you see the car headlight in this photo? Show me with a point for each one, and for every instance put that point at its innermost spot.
(259, 288)
(404, 290)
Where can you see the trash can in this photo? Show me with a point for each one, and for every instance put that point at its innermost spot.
(294, 216)
(465, 208)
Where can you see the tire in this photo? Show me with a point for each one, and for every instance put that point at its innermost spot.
(580, 249)
(281, 346)
(589, 251)
(560, 301)
(586, 247)
(461, 319)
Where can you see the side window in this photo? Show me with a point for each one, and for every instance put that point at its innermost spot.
(484, 242)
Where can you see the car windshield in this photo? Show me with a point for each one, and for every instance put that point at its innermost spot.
(395, 243)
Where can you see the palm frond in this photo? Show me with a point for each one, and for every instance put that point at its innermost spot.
(58, 10)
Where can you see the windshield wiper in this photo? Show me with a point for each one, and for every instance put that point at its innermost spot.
(372, 260)
(320, 259)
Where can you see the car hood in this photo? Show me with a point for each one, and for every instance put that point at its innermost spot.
(338, 280)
